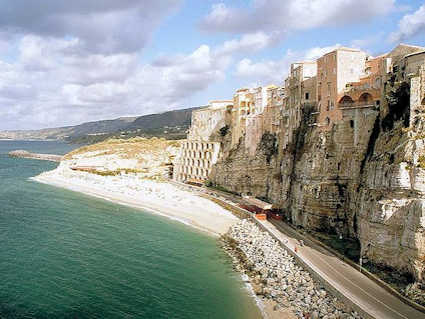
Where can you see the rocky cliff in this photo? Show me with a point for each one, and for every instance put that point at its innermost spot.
(363, 179)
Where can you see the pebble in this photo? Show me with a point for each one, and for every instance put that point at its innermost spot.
(274, 274)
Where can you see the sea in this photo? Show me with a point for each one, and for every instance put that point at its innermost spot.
(67, 255)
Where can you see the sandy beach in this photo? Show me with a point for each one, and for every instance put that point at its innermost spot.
(156, 197)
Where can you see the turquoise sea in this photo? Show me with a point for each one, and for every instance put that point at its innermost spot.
(67, 255)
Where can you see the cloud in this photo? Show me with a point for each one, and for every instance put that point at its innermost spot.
(316, 52)
(50, 85)
(106, 26)
(274, 71)
(266, 71)
(292, 14)
(409, 26)
(251, 42)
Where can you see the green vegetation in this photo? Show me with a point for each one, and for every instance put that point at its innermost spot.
(170, 133)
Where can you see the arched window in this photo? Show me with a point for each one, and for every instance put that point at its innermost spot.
(346, 101)
(365, 99)
(423, 101)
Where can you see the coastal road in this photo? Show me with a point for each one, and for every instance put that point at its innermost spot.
(365, 293)
(368, 295)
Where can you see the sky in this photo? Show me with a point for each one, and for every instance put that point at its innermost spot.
(68, 62)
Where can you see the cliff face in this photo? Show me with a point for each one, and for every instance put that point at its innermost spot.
(363, 179)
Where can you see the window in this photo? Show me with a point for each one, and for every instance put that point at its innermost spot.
(307, 95)
(328, 106)
(332, 105)
(329, 89)
(351, 123)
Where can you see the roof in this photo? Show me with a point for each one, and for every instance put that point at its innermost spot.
(415, 53)
(221, 101)
(258, 203)
(342, 49)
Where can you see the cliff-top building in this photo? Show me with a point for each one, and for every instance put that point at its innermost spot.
(334, 71)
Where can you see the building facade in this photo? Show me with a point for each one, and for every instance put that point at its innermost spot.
(201, 150)
(334, 71)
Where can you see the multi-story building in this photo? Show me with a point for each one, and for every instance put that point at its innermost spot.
(248, 104)
(334, 71)
(300, 92)
(265, 116)
(201, 150)
(243, 101)
(342, 86)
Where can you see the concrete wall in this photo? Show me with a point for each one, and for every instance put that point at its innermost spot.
(195, 160)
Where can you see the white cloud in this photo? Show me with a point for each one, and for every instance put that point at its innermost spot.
(317, 52)
(106, 26)
(275, 71)
(265, 72)
(410, 25)
(251, 42)
(272, 15)
(50, 85)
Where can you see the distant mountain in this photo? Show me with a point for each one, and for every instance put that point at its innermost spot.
(171, 125)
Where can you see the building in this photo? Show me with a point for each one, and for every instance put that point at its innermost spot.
(334, 71)
(300, 92)
(201, 149)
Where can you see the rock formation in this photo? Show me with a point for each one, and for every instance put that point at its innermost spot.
(363, 177)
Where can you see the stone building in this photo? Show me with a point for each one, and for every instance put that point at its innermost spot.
(355, 168)
(201, 150)
(299, 92)
(265, 117)
(243, 101)
(334, 71)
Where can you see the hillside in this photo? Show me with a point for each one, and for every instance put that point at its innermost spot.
(170, 125)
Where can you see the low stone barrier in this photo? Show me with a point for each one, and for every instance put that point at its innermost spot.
(279, 276)
(42, 157)
(364, 271)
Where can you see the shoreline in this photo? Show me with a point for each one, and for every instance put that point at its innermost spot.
(159, 198)
(56, 179)
(284, 287)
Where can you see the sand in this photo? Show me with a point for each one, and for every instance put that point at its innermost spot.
(155, 197)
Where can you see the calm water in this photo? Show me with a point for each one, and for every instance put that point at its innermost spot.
(66, 255)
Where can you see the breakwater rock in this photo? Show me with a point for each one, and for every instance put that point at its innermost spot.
(274, 275)
(43, 157)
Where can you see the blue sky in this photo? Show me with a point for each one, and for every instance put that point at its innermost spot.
(67, 62)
